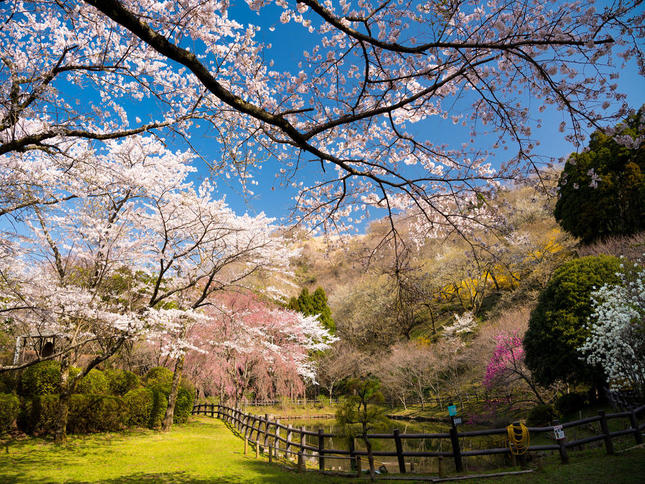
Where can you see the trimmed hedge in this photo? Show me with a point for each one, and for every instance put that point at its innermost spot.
(94, 383)
(41, 379)
(39, 414)
(91, 408)
(159, 406)
(96, 413)
(183, 405)
(139, 403)
(9, 410)
(120, 382)
(159, 377)
(9, 381)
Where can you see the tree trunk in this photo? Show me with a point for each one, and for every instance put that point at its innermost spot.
(60, 434)
(370, 457)
(172, 398)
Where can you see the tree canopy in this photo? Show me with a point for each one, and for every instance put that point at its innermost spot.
(364, 104)
(558, 324)
(602, 189)
(314, 305)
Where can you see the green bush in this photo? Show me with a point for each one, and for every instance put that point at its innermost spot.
(139, 403)
(94, 383)
(159, 377)
(571, 402)
(541, 415)
(39, 414)
(9, 381)
(184, 404)
(558, 324)
(9, 409)
(41, 379)
(121, 382)
(159, 406)
(96, 413)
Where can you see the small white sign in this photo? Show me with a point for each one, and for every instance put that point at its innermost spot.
(558, 432)
(457, 420)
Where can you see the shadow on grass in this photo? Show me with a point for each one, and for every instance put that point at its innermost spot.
(265, 474)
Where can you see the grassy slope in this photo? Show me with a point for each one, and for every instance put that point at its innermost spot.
(201, 451)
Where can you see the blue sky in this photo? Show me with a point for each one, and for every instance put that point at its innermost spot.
(288, 41)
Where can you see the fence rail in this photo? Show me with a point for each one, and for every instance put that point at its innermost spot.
(274, 438)
(441, 401)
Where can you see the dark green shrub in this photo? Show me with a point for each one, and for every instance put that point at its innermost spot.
(139, 403)
(96, 413)
(184, 404)
(94, 383)
(159, 377)
(39, 414)
(558, 324)
(9, 410)
(9, 381)
(41, 379)
(121, 382)
(570, 403)
(159, 405)
(541, 415)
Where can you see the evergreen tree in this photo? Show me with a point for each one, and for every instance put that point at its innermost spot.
(602, 189)
(314, 305)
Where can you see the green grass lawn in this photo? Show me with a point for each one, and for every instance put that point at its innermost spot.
(204, 450)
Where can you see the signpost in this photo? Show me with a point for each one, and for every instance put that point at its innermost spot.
(454, 420)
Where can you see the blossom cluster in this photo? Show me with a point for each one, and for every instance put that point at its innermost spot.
(616, 341)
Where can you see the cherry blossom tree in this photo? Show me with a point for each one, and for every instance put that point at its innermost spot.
(357, 102)
(131, 249)
(250, 345)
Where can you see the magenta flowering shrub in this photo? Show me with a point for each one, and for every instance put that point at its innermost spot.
(507, 357)
(506, 368)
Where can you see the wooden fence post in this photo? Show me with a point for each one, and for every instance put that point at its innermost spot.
(456, 451)
(609, 445)
(246, 432)
(562, 444)
(303, 439)
(399, 450)
(266, 430)
(321, 450)
(287, 446)
(352, 453)
(634, 423)
(301, 462)
(276, 439)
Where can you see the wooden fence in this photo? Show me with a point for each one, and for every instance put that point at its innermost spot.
(274, 439)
